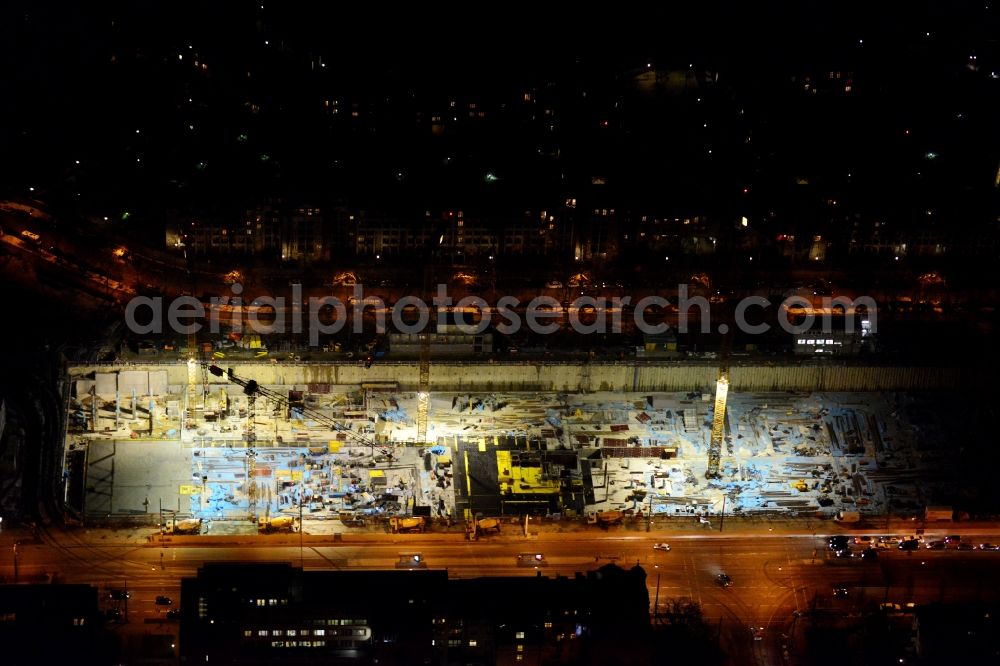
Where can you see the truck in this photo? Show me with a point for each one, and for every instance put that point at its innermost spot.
(188, 526)
(407, 524)
(276, 524)
(848, 516)
(932, 513)
(606, 518)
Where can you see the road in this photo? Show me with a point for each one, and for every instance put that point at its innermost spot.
(773, 575)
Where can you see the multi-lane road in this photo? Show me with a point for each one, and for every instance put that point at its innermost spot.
(774, 575)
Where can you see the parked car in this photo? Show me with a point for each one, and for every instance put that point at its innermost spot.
(936, 545)
(840, 592)
(724, 580)
(838, 542)
(869, 554)
(988, 546)
(163, 601)
(661, 546)
(174, 614)
(863, 540)
(909, 544)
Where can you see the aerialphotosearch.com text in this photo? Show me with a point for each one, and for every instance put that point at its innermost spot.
(328, 315)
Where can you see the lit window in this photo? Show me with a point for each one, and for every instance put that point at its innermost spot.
(519, 657)
(548, 625)
(520, 648)
(262, 632)
(829, 342)
(519, 634)
(473, 643)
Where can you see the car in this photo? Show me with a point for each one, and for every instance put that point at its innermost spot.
(840, 592)
(174, 614)
(119, 595)
(936, 545)
(909, 544)
(863, 540)
(843, 552)
(531, 560)
(163, 601)
(838, 542)
(723, 580)
(954, 538)
(757, 633)
(966, 546)
(988, 546)
(891, 540)
(869, 554)
(661, 546)
(881, 545)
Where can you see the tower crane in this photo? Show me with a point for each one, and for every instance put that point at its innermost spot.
(719, 414)
(252, 389)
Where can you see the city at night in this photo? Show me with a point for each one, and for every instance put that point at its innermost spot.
(460, 335)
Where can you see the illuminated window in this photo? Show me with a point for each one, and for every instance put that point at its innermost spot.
(320, 632)
(548, 625)
(519, 634)
(262, 632)
(519, 657)
(520, 648)
(473, 643)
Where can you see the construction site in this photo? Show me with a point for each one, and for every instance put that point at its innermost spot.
(197, 447)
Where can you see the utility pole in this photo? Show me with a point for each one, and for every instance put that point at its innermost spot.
(656, 602)
(301, 497)
(722, 516)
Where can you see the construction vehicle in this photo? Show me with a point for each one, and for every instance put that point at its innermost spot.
(407, 524)
(938, 513)
(351, 519)
(484, 525)
(605, 518)
(277, 524)
(188, 526)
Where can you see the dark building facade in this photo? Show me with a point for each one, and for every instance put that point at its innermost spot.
(276, 613)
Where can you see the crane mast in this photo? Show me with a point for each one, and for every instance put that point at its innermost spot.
(424, 393)
(719, 413)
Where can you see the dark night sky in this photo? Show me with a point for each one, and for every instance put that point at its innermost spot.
(64, 97)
